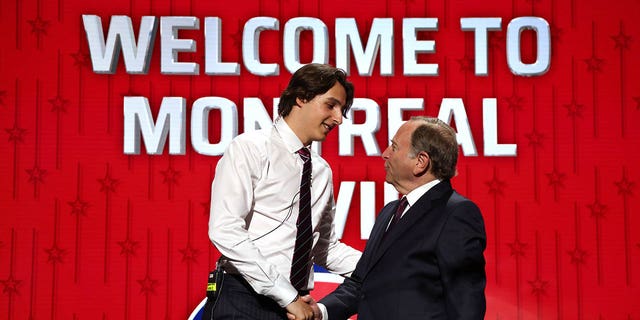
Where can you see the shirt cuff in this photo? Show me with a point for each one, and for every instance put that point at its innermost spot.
(282, 292)
(323, 310)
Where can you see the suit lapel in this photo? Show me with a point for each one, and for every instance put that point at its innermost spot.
(411, 218)
(378, 231)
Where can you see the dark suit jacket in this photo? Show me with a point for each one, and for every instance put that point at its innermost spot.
(429, 266)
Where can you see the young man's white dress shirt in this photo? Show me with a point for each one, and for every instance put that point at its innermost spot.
(254, 208)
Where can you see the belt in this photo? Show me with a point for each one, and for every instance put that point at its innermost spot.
(244, 282)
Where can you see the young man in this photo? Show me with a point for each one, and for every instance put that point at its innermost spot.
(424, 259)
(272, 204)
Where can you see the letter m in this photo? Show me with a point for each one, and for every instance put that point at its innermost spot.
(104, 55)
(138, 121)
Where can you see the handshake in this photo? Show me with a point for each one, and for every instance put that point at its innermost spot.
(304, 307)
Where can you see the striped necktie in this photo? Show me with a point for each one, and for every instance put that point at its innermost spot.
(300, 265)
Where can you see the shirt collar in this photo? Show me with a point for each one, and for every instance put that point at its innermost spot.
(289, 138)
(418, 192)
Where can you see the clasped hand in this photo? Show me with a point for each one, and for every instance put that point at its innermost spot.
(305, 308)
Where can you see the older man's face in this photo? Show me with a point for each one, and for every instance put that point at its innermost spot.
(398, 161)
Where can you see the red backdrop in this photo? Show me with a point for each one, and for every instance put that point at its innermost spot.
(87, 231)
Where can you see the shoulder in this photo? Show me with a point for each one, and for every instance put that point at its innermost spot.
(250, 148)
(318, 160)
(458, 200)
(251, 141)
(255, 137)
(462, 208)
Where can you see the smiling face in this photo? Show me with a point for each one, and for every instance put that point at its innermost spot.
(313, 120)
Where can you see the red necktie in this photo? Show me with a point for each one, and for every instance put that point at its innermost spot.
(300, 265)
(396, 216)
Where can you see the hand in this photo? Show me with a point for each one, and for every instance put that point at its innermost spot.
(299, 309)
(317, 315)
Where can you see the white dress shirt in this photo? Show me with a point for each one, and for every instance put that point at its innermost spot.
(254, 208)
(415, 194)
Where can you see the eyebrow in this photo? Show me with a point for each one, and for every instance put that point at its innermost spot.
(335, 101)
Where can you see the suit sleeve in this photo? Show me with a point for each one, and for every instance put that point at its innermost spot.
(461, 261)
(343, 302)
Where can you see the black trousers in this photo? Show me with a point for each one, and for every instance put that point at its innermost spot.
(238, 301)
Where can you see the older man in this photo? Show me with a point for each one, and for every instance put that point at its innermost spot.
(424, 259)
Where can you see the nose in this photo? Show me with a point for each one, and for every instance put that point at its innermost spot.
(385, 154)
(337, 115)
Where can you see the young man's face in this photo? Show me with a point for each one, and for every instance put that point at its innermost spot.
(321, 114)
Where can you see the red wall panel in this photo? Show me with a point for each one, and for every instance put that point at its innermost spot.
(89, 231)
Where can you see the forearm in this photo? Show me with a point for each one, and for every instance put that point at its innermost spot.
(342, 259)
(330, 253)
(342, 302)
(243, 257)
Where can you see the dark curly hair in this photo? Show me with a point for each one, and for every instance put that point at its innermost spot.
(311, 80)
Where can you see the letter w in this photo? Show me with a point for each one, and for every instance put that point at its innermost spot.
(104, 55)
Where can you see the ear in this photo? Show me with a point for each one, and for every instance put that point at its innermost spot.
(422, 164)
(300, 102)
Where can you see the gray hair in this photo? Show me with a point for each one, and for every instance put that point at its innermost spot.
(438, 140)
